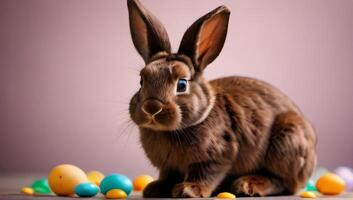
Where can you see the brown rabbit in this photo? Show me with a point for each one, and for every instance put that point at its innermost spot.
(233, 134)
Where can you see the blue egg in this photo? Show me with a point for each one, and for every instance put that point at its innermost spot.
(116, 181)
(86, 190)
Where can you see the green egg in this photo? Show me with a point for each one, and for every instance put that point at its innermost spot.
(41, 186)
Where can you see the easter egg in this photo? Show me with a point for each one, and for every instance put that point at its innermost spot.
(310, 186)
(330, 184)
(64, 178)
(95, 177)
(346, 174)
(27, 191)
(116, 194)
(226, 195)
(41, 186)
(116, 181)
(140, 182)
(307, 194)
(86, 190)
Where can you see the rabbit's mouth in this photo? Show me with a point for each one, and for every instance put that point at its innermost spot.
(152, 124)
(156, 116)
(160, 122)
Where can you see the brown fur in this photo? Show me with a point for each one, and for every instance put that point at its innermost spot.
(234, 134)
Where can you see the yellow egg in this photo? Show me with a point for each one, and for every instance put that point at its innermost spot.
(308, 194)
(116, 194)
(95, 177)
(27, 191)
(226, 195)
(64, 178)
(330, 184)
(140, 182)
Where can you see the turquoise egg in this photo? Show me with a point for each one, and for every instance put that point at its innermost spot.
(310, 186)
(116, 181)
(41, 186)
(86, 190)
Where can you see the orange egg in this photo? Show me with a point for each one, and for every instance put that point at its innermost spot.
(64, 178)
(116, 194)
(140, 182)
(95, 177)
(330, 184)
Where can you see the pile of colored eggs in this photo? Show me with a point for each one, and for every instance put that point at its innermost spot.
(119, 186)
(70, 180)
(328, 183)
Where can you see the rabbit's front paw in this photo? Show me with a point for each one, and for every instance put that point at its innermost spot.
(190, 190)
(256, 186)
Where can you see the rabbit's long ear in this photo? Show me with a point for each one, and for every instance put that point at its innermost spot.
(204, 39)
(148, 34)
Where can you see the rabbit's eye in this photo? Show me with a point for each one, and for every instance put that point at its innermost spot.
(141, 82)
(182, 85)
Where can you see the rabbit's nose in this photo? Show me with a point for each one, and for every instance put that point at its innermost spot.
(152, 107)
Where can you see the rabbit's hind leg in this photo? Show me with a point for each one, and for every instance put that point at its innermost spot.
(289, 160)
(291, 154)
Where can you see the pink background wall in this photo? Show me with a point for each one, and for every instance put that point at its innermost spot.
(68, 70)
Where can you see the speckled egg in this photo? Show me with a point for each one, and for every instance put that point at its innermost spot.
(116, 181)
